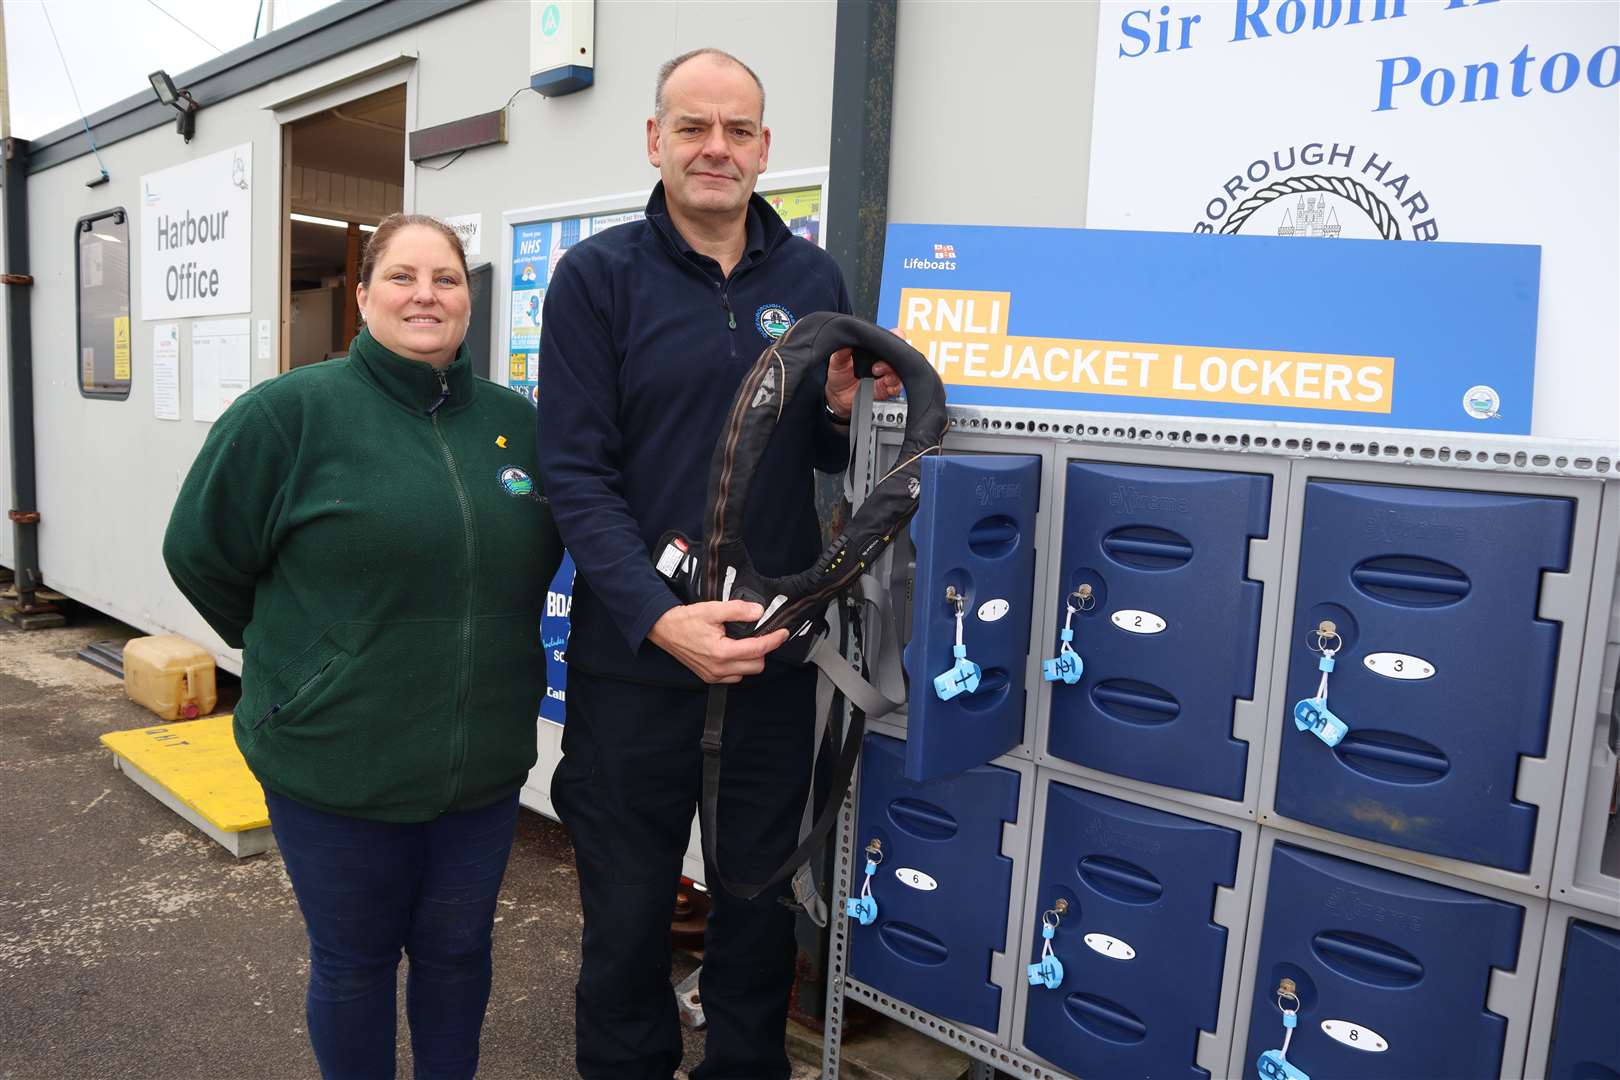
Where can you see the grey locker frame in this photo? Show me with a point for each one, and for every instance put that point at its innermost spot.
(1588, 835)
(1510, 994)
(1564, 598)
(957, 443)
(1552, 972)
(1452, 456)
(1230, 909)
(1006, 970)
(1265, 565)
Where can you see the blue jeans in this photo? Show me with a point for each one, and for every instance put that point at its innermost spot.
(371, 888)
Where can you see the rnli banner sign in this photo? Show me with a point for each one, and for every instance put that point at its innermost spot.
(1430, 336)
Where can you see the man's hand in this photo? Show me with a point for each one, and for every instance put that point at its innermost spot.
(695, 634)
(841, 382)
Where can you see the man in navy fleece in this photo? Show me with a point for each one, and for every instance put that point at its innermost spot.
(647, 331)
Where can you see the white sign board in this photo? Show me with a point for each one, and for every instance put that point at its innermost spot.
(469, 228)
(1451, 120)
(166, 371)
(220, 370)
(196, 237)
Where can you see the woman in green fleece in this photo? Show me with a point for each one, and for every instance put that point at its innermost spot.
(369, 531)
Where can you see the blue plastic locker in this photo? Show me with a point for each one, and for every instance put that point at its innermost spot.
(1586, 1032)
(1391, 972)
(1140, 883)
(974, 533)
(1170, 644)
(1445, 674)
(942, 888)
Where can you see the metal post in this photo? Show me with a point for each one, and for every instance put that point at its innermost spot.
(18, 284)
(857, 211)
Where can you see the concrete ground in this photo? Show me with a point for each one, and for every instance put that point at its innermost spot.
(132, 946)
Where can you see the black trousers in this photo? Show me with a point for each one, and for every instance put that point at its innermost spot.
(626, 789)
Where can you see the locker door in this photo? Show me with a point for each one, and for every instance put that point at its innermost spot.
(942, 889)
(1391, 971)
(1445, 675)
(1586, 1038)
(1170, 644)
(974, 535)
(1142, 958)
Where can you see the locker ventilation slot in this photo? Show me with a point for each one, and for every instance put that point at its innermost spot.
(1357, 956)
(923, 820)
(993, 537)
(1105, 1019)
(1392, 757)
(1146, 547)
(992, 690)
(913, 945)
(1411, 581)
(1119, 880)
(1135, 702)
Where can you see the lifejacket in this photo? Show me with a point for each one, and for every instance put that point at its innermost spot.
(719, 566)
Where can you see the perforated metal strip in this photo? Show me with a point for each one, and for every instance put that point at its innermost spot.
(1521, 454)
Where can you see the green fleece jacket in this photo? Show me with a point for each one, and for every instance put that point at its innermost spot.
(373, 537)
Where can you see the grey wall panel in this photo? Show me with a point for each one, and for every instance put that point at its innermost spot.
(992, 112)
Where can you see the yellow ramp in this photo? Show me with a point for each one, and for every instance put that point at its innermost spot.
(195, 769)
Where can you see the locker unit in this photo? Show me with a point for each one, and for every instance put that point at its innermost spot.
(1169, 644)
(1574, 1035)
(1149, 939)
(1586, 869)
(943, 939)
(974, 536)
(1395, 976)
(1444, 670)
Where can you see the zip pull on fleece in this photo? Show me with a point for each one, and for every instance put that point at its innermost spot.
(444, 392)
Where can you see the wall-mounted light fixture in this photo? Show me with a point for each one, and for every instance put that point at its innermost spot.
(178, 100)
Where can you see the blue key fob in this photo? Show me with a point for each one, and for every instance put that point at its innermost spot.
(1047, 973)
(962, 678)
(1313, 716)
(1065, 666)
(863, 909)
(1273, 1066)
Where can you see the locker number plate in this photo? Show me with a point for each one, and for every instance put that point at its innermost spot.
(1110, 947)
(1137, 622)
(1354, 1035)
(1394, 665)
(915, 878)
(991, 610)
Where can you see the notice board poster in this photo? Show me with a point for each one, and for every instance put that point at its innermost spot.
(1429, 120)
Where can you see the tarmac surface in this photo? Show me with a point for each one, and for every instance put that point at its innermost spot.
(133, 946)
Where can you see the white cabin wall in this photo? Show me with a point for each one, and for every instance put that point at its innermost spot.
(992, 112)
(108, 471)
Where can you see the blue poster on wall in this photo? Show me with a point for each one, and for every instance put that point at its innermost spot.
(554, 636)
(1436, 336)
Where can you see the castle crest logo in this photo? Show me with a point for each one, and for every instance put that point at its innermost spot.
(1323, 190)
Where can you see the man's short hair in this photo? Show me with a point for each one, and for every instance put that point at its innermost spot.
(668, 69)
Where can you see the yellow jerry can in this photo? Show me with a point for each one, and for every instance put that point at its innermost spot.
(170, 675)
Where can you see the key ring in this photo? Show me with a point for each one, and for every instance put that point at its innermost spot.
(1317, 639)
(874, 851)
(1083, 598)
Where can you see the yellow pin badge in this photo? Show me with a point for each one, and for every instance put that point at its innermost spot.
(500, 441)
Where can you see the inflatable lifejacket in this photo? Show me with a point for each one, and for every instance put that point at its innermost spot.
(720, 567)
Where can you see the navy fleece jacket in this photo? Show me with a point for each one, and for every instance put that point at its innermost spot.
(643, 344)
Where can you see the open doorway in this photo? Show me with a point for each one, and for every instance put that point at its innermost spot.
(343, 172)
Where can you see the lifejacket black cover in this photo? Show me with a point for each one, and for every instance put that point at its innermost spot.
(726, 568)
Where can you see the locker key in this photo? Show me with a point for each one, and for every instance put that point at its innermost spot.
(1067, 665)
(863, 909)
(1048, 971)
(963, 676)
(1273, 1066)
(1314, 716)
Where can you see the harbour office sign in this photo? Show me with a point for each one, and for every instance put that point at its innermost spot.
(196, 237)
